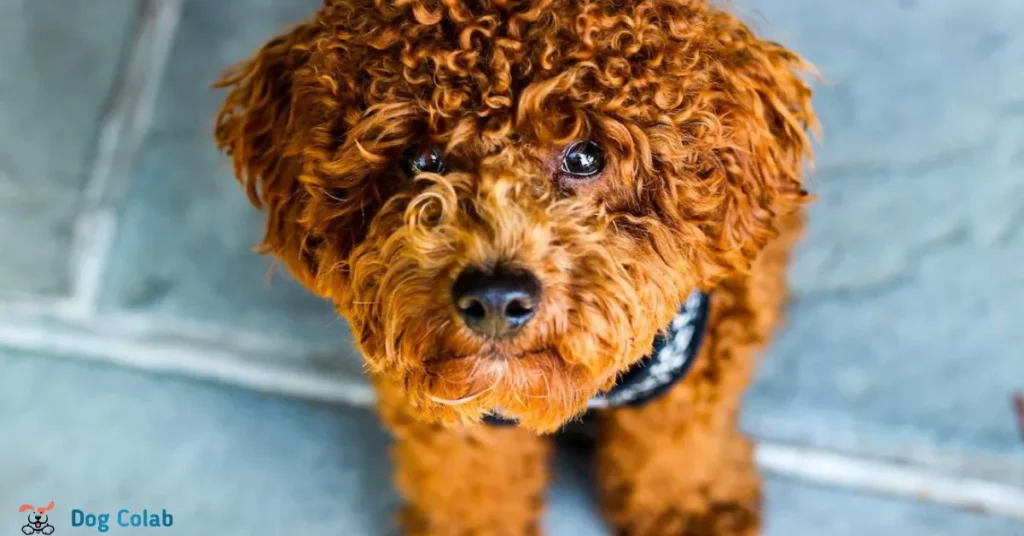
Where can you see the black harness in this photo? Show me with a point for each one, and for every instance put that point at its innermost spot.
(671, 357)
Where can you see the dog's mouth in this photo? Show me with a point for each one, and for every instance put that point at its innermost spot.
(482, 371)
(537, 389)
(497, 417)
(488, 354)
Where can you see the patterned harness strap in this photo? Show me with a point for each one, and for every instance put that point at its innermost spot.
(672, 356)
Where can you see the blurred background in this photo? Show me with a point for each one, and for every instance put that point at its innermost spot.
(148, 359)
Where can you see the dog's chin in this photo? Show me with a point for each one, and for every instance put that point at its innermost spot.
(537, 390)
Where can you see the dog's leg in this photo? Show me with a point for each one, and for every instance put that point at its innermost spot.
(473, 480)
(679, 465)
(676, 467)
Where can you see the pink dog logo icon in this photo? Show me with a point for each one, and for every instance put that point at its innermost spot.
(38, 521)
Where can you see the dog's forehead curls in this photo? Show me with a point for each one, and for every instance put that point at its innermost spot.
(509, 199)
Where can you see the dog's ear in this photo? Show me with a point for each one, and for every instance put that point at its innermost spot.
(263, 132)
(766, 115)
(26, 508)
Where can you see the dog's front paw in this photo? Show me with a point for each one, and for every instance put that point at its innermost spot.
(48, 529)
(419, 524)
(717, 520)
(27, 529)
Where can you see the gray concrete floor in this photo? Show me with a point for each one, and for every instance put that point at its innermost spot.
(144, 349)
(232, 462)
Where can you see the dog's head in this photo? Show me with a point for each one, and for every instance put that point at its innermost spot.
(507, 199)
(37, 515)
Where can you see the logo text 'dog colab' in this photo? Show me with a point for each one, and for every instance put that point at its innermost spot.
(124, 518)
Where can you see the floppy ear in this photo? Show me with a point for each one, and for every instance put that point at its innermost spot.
(26, 507)
(766, 114)
(260, 129)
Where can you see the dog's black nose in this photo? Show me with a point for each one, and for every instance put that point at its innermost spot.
(498, 303)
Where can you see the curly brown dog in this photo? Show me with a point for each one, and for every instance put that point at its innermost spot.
(509, 200)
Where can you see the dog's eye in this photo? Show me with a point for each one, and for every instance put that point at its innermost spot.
(420, 160)
(583, 159)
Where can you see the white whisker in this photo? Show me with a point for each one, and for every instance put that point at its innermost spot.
(459, 401)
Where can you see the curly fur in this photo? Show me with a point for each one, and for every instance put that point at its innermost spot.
(705, 131)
